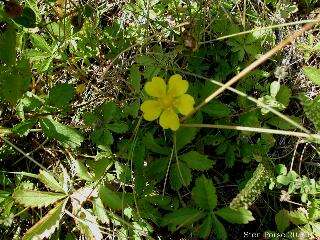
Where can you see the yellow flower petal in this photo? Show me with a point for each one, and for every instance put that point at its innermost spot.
(177, 86)
(184, 104)
(169, 119)
(151, 110)
(156, 88)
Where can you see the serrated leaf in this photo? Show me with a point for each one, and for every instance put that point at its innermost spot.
(102, 137)
(23, 128)
(216, 109)
(99, 210)
(284, 95)
(204, 193)
(135, 77)
(81, 170)
(111, 198)
(49, 180)
(152, 145)
(235, 216)
(119, 127)
(14, 81)
(40, 43)
(66, 135)
(298, 217)
(219, 229)
(313, 74)
(274, 88)
(108, 110)
(60, 95)
(32, 198)
(180, 175)
(197, 161)
(205, 227)
(8, 45)
(282, 220)
(47, 225)
(181, 217)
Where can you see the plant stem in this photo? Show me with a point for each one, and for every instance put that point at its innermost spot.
(253, 129)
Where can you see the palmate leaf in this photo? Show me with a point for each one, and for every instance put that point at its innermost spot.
(48, 224)
(32, 198)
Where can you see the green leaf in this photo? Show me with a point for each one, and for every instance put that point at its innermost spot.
(313, 74)
(60, 95)
(32, 198)
(274, 88)
(205, 227)
(99, 210)
(204, 193)
(219, 229)
(197, 161)
(47, 225)
(119, 127)
(145, 60)
(284, 95)
(40, 43)
(216, 109)
(8, 45)
(67, 136)
(152, 145)
(298, 217)
(102, 137)
(14, 81)
(108, 110)
(101, 164)
(180, 175)
(181, 217)
(23, 128)
(49, 180)
(135, 78)
(81, 170)
(235, 216)
(27, 19)
(111, 198)
(282, 220)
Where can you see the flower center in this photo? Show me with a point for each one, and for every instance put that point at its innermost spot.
(166, 101)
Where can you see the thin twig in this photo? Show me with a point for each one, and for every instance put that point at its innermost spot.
(253, 129)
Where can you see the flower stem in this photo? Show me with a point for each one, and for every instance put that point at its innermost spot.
(253, 129)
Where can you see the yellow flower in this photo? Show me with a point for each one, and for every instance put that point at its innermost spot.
(169, 101)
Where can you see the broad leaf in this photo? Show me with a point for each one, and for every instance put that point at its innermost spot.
(47, 225)
(111, 198)
(180, 175)
(219, 229)
(67, 136)
(205, 227)
(49, 180)
(197, 161)
(235, 216)
(32, 198)
(204, 193)
(61, 94)
(8, 45)
(282, 220)
(99, 210)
